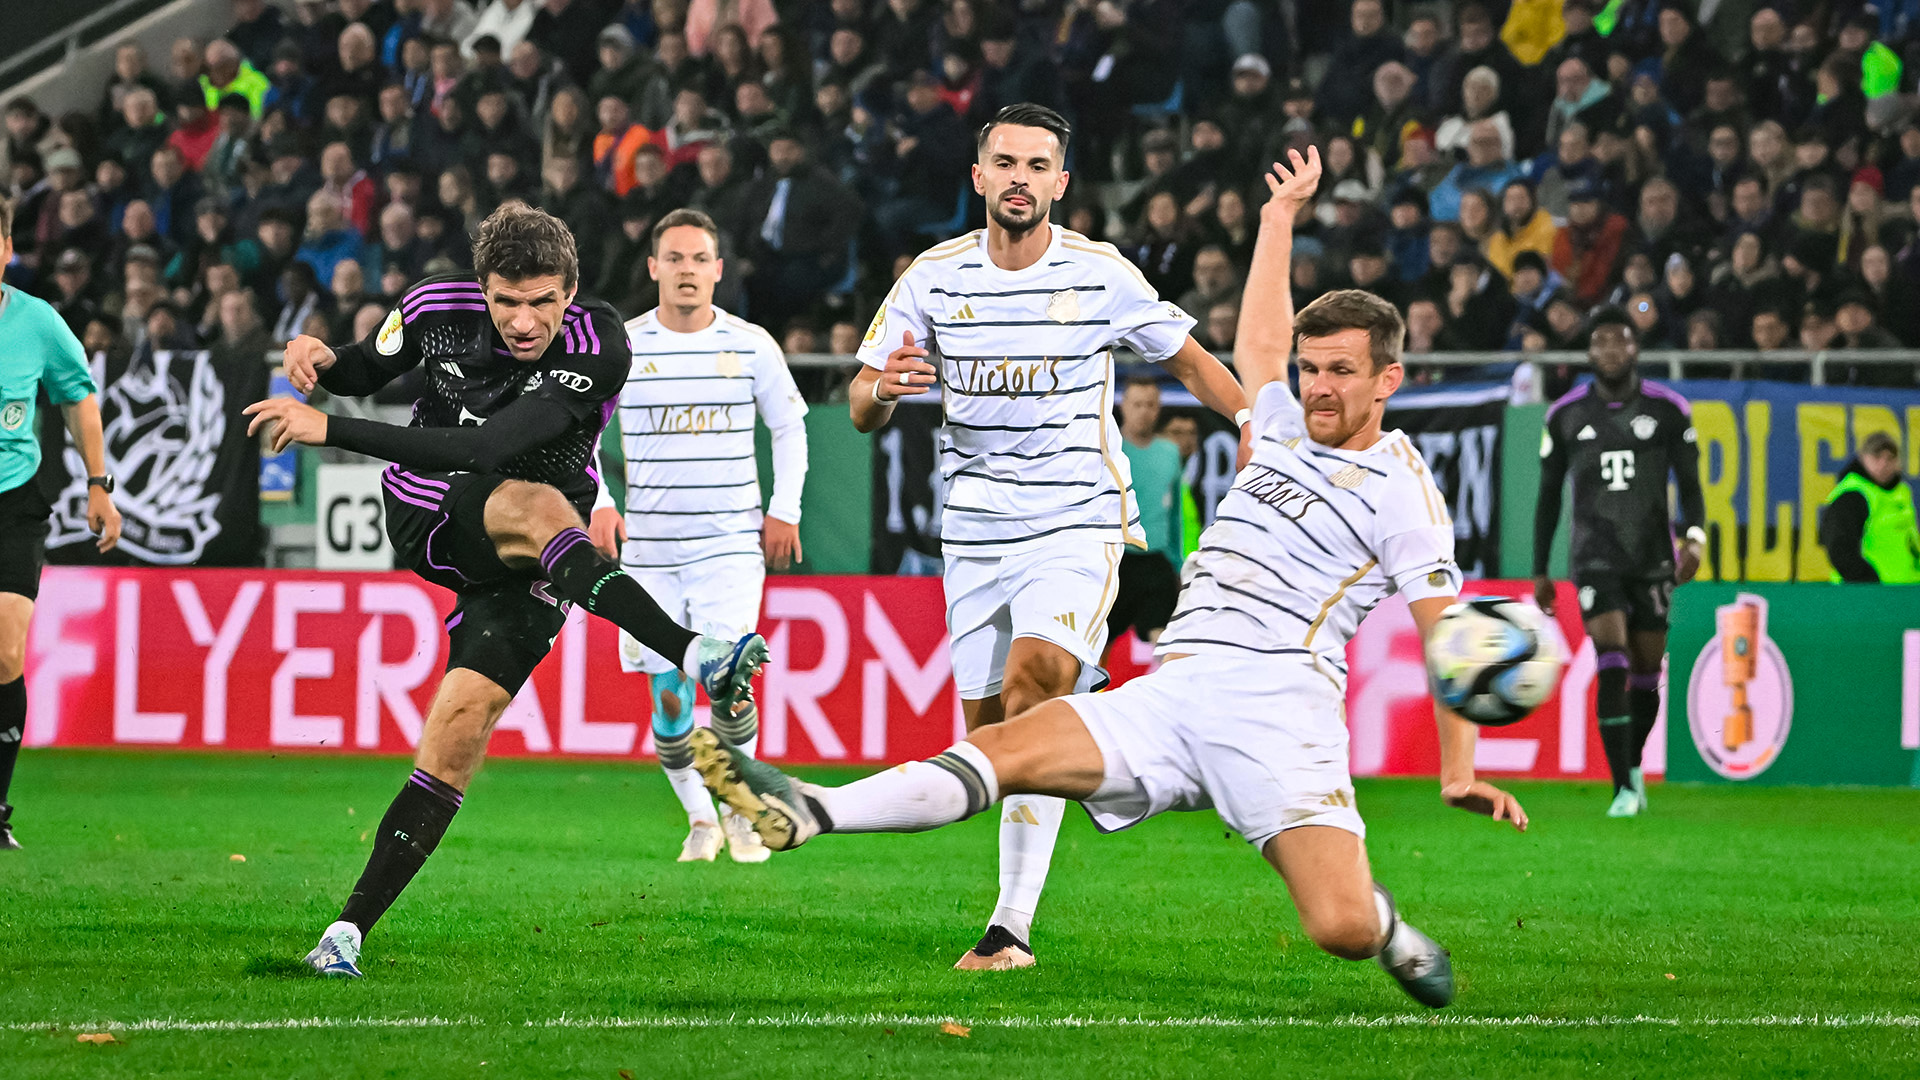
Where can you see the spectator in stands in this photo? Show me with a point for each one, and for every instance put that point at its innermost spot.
(1252, 113)
(1662, 228)
(357, 73)
(705, 18)
(1587, 249)
(449, 20)
(1226, 227)
(1391, 113)
(1163, 246)
(1420, 169)
(1367, 269)
(721, 192)
(1685, 59)
(228, 72)
(1477, 46)
(1422, 51)
(931, 152)
(799, 222)
(1533, 283)
(1479, 96)
(1868, 525)
(1893, 293)
(1478, 306)
(506, 21)
(1522, 226)
(129, 71)
(614, 146)
(1012, 71)
(1865, 220)
(1487, 167)
(568, 30)
(398, 245)
(1857, 327)
(1214, 280)
(1347, 87)
(145, 130)
(1477, 219)
(329, 238)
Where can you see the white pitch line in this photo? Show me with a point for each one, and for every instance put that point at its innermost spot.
(843, 1020)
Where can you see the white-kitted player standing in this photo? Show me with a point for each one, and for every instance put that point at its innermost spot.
(693, 531)
(1246, 712)
(1022, 318)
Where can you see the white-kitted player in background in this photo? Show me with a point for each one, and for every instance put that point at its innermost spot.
(693, 531)
(1246, 713)
(1022, 318)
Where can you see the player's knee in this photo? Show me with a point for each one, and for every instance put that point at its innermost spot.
(1350, 935)
(529, 512)
(13, 660)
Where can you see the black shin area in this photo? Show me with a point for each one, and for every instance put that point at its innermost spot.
(1616, 724)
(581, 574)
(13, 728)
(408, 834)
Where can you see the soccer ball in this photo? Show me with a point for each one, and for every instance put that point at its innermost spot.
(1492, 660)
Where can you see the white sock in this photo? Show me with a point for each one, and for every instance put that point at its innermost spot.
(1387, 920)
(1029, 825)
(914, 797)
(692, 793)
(690, 663)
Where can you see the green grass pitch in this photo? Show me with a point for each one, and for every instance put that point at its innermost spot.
(1734, 932)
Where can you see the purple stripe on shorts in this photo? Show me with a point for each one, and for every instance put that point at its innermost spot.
(399, 485)
(1647, 681)
(423, 481)
(415, 500)
(1612, 659)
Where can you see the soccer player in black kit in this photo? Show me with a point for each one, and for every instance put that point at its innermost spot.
(487, 495)
(1619, 437)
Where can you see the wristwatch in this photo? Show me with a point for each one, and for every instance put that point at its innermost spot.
(103, 482)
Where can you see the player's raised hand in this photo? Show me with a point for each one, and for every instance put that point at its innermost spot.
(291, 422)
(607, 528)
(780, 541)
(1290, 185)
(1480, 797)
(305, 358)
(907, 372)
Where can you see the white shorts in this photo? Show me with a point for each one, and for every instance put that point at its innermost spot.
(1261, 740)
(718, 596)
(1060, 593)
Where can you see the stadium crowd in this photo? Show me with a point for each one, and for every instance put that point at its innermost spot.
(1495, 169)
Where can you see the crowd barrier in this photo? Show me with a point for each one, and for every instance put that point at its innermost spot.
(346, 662)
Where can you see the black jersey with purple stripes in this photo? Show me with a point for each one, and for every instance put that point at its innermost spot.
(1620, 456)
(442, 324)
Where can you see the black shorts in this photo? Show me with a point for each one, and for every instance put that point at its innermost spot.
(506, 619)
(1149, 590)
(1646, 601)
(24, 514)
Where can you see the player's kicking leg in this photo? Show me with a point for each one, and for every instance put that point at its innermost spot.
(1646, 655)
(1050, 751)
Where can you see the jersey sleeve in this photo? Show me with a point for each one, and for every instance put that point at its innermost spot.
(1413, 533)
(1684, 455)
(365, 366)
(592, 369)
(900, 313)
(67, 377)
(784, 412)
(1277, 413)
(1150, 326)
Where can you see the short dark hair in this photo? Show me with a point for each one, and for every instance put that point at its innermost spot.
(684, 216)
(1354, 309)
(6, 218)
(1610, 315)
(1877, 444)
(1026, 114)
(518, 242)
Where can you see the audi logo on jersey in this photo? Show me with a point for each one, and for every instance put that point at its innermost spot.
(573, 380)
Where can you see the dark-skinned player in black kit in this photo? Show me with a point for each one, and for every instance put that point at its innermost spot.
(1620, 437)
(487, 496)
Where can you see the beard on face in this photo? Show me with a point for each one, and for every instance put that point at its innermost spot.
(1014, 222)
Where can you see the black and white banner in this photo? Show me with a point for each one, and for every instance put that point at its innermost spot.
(1457, 431)
(177, 446)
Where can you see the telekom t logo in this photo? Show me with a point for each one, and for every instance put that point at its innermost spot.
(1616, 468)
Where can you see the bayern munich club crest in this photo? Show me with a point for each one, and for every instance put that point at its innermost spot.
(1740, 699)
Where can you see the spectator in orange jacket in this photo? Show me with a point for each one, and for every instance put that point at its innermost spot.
(614, 147)
(1588, 247)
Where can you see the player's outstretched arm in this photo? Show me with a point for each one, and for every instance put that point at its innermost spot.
(1265, 336)
(1458, 787)
(1209, 380)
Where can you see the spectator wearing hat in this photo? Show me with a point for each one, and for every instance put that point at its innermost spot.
(1522, 226)
(1587, 248)
(74, 293)
(1533, 283)
(1420, 168)
(223, 168)
(1868, 525)
(1353, 217)
(64, 172)
(289, 86)
(1865, 219)
(1347, 88)
(1250, 111)
(1487, 167)
(229, 72)
(624, 72)
(506, 21)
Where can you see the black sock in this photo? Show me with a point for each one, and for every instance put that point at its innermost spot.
(581, 574)
(13, 728)
(1643, 704)
(408, 834)
(1616, 724)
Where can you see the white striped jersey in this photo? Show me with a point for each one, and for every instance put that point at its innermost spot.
(1030, 448)
(1308, 540)
(686, 426)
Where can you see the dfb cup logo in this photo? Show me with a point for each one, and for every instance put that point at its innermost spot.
(1740, 699)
